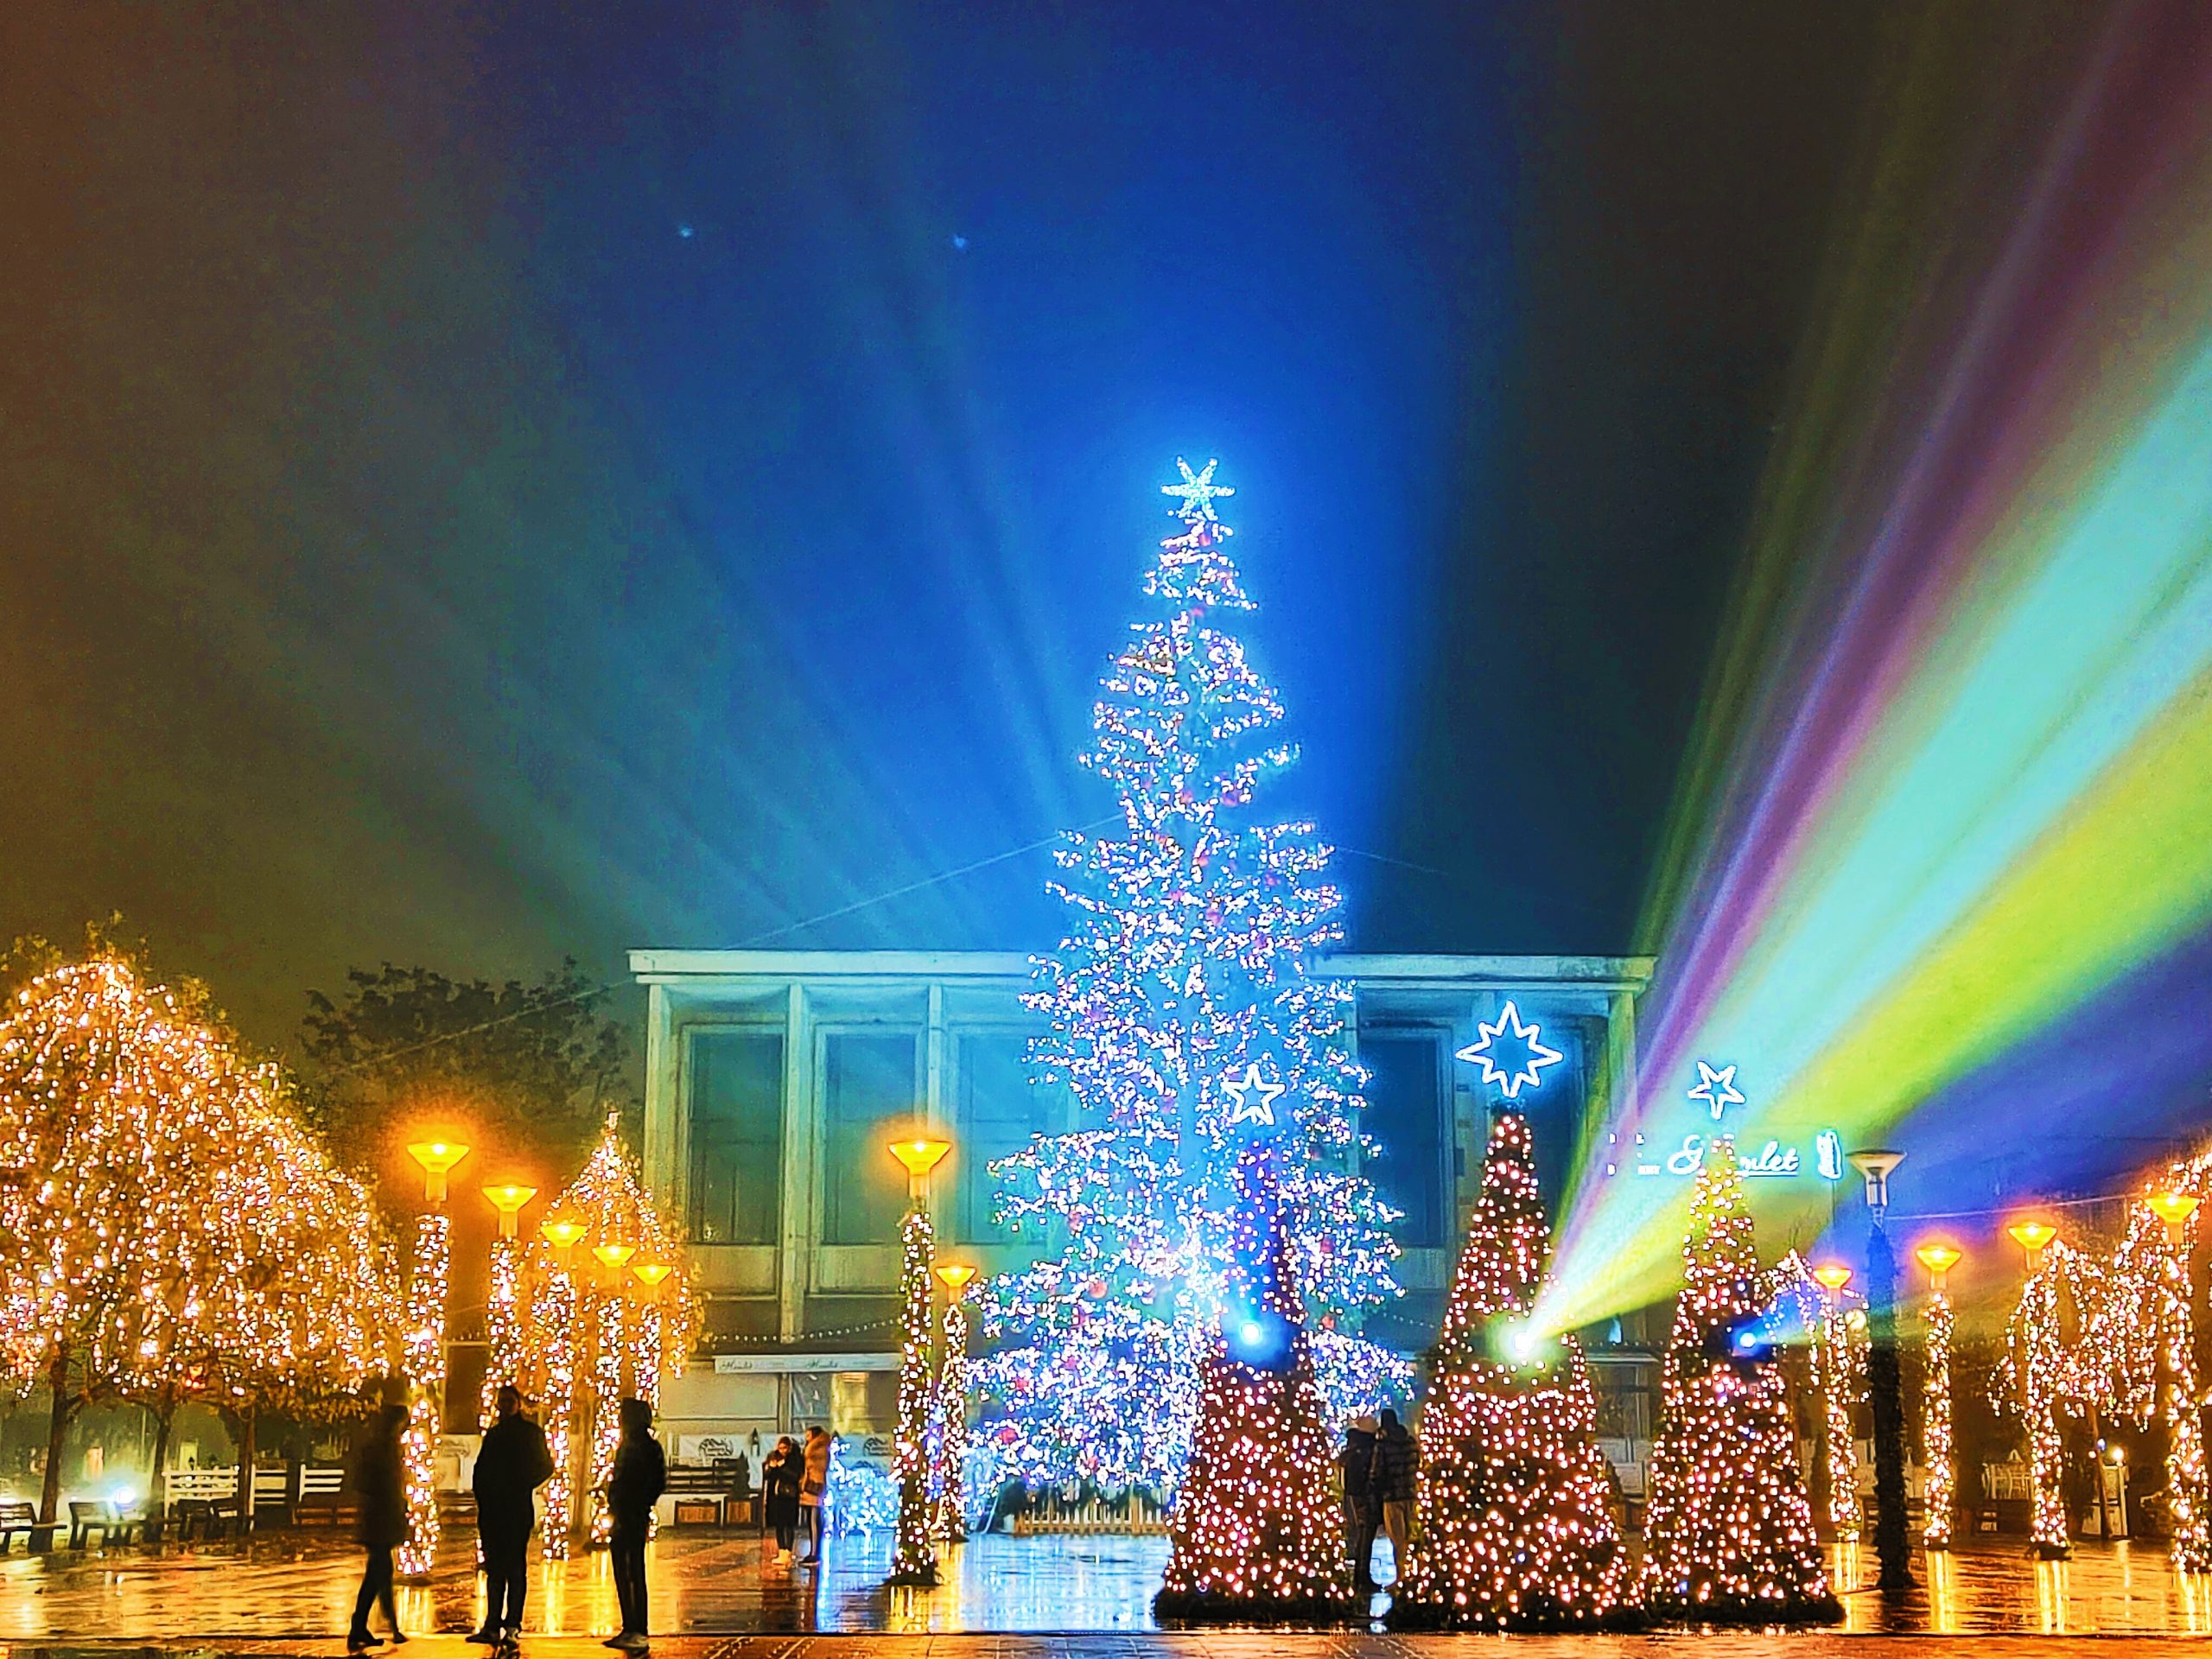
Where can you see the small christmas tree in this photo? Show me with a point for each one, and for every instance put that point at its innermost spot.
(1516, 1528)
(1728, 1537)
(1257, 1535)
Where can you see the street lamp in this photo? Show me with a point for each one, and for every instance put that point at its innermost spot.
(1832, 1275)
(425, 1349)
(2174, 1209)
(502, 1306)
(1884, 1383)
(1939, 1257)
(2033, 1237)
(913, 1558)
(951, 1525)
(437, 1158)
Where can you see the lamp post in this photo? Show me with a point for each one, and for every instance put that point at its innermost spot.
(1832, 1374)
(2187, 1503)
(610, 1306)
(556, 1307)
(1885, 1384)
(2033, 1237)
(1935, 1450)
(503, 1303)
(430, 1273)
(913, 1559)
(2037, 1410)
(952, 1405)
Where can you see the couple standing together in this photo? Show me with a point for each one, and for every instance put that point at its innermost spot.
(794, 1481)
(513, 1463)
(1379, 1462)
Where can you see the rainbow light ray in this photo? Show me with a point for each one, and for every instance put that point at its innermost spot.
(1968, 751)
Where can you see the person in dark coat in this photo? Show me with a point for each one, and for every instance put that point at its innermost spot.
(640, 1477)
(779, 1479)
(510, 1465)
(379, 1489)
(1361, 1515)
(1397, 1459)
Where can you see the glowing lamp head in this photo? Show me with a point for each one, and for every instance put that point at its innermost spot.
(651, 1272)
(2033, 1236)
(612, 1253)
(508, 1200)
(1876, 1165)
(954, 1275)
(1939, 1258)
(2173, 1208)
(438, 1158)
(562, 1230)
(920, 1155)
(1833, 1276)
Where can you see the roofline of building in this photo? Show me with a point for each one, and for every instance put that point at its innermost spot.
(694, 968)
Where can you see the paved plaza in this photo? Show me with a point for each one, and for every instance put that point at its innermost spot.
(290, 1593)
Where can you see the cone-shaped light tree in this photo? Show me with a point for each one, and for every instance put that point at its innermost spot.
(1515, 1523)
(1182, 1017)
(1728, 1533)
(1255, 1535)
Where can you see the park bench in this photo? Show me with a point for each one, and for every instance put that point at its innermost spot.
(699, 1496)
(89, 1516)
(17, 1517)
(322, 1495)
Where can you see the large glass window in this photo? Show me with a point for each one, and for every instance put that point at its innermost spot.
(737, 1136)
(1409, 1115)
(868, 1080)
(1000, 1111)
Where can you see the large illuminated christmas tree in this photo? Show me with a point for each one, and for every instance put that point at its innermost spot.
(1516, 1523)
(1728, 1533)
(1257, 1533)
(1186, 1025)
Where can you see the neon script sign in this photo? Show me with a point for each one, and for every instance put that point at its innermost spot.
(1715, 1091)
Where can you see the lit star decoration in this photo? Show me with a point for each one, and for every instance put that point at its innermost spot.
(1256, 1101)
(1728, 1531)
(1196, 490)
(1185, 960)
(170, 1230)
(1526, 1053)
(1717, 1090)
(1515, 1506)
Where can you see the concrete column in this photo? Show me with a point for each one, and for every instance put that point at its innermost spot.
(796, 1230)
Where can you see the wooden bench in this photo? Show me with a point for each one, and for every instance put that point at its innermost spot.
(698, 1495)
(17, 1517)
(322, 1495)
(86, 1518)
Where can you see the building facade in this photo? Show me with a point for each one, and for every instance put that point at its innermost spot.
(775, 1078)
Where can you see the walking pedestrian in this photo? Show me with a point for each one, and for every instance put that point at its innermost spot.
(780, 1480)
(814, 1488)
(1397, 1458)
(381, 1497)
(1361, 1516)
(640, 1476)
(512, 1464)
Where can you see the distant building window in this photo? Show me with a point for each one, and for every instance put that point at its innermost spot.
(1409, 1114)
(999, 1112)
(737, 1136)
(869, 1080)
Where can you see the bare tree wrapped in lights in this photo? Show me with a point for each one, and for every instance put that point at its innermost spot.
(2148, 1328)
(167, 1227)
(948, 1478)
(2056, 1361)
(1255, 1537)
(591, 1335)
(1938, 1452)
(1817, 1301)
(1728, 1532)
(1515, 1524)
(913, 1557)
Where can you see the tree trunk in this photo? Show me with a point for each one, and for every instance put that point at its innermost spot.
(246, 1468)
(164, 1420)
(57, 1432)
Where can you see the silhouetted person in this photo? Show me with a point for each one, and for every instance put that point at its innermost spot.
(1361, 1515)
(779, 1477)
(1397, 1458)
(814, 1487)
(639, 1477)
(512, 1464)
(381, 1493)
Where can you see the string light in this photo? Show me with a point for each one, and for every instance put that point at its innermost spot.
(1937, 1454)
(1516, 1523)
(1728, 1532)
(425, 1363)
(1255, 1536)
(2043, 1373)
(1182, 971)
(551, 1343)
(913, 1558)
(947, 1476)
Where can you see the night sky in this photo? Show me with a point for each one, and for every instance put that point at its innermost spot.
(481, 483)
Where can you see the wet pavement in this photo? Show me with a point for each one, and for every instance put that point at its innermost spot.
(290, 1593)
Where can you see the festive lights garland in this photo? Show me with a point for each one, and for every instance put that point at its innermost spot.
(502, 1327)
(2045, 1372)
(552, 1342)
(913, 1558)
(427, 1286)
(1728, 1532)
(1937, 1454)
(951, 1525)
(1183, 968)
(1514, 1501)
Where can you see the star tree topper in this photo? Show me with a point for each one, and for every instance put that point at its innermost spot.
(1198, 490)
(1255, 1100)
(1717, 1089)
(1526, 1051)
